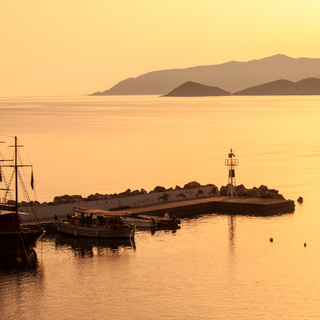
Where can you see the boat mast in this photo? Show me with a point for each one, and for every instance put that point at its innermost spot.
(15, 165)
(16, 172)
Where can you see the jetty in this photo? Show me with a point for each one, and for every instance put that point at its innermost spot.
(221, 205)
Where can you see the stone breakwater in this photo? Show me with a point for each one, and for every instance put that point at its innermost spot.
(63, 205)
(179, 192)
(241, 190)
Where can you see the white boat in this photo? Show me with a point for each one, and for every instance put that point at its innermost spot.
(146, 221)
(83, 224)
(140, 222)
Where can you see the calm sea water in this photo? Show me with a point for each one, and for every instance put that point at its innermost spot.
(215, 266)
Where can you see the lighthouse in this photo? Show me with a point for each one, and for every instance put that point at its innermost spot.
(231, 163)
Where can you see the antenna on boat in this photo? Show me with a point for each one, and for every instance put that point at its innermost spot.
(231, 163)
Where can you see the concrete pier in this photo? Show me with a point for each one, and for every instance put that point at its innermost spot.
(222, 205)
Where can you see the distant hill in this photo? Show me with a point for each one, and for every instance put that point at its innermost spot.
(232, 76)
(193, 89)
(310, 86)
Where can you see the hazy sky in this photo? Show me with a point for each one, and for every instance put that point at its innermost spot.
(75, 47)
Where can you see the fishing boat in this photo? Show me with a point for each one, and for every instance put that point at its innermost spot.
(94, 224)
(148, 221)
(17, 242)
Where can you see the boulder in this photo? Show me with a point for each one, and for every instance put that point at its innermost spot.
(256, 193)
(159, 189)
(223, 191)
(241, 190)
(135, 192)
(191, 185)
(263, 188)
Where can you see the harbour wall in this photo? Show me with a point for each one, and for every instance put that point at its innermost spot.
(47, 212)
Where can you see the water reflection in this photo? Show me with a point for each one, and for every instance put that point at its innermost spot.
(14, 280)
(232, 232)
(10, 261)
(157, 231)
(90, 247)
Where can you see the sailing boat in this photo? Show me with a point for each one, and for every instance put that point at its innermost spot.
(17, 242)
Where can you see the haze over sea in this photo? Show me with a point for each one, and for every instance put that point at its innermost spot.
(215, 266)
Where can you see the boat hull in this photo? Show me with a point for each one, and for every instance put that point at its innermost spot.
(18, 246)
(93, 231)
(24, 239)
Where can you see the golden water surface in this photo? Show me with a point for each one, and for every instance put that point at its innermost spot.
(214, 267)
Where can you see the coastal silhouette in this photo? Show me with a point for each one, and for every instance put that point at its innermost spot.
(231, 76)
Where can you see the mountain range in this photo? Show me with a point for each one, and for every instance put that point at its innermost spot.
(232, 76)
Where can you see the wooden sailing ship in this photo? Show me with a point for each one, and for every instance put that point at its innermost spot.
(17, 242)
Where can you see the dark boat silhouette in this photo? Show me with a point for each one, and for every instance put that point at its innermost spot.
(17, 242)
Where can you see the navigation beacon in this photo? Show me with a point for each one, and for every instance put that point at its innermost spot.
(231, 162)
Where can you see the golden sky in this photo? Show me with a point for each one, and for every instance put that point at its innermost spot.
(75, 47)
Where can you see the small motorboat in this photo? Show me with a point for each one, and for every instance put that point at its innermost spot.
(148, 221)
(83, 223)
(140, 222)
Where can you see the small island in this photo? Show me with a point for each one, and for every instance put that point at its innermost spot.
(194, 89)
(309, 86)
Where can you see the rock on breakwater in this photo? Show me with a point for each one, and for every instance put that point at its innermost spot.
(261, 192)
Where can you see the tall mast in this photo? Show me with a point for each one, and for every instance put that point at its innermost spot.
(15, 165)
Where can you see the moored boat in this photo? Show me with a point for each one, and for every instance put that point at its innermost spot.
(147, 221)
(84, 224)
(140, 222)
(17, 242)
